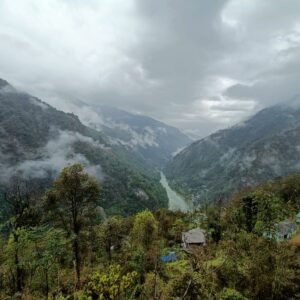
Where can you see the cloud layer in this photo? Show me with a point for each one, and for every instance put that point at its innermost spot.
(57, 154)
(198, 65)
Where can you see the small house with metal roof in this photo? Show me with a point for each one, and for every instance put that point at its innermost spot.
(193, 238)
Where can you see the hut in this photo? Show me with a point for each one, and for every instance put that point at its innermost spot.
(193, 238)
(285, 230)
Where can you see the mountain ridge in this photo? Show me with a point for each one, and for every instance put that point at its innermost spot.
(153, 141)
(38, 140)
(239, 156)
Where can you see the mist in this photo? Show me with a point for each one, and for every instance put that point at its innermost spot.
(52, 158)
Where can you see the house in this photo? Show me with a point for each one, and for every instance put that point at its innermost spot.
(298, 218)
(193, 238)
(285, 230)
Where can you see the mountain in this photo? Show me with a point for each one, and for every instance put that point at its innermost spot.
(145, 138)
(264, 147)
(37, 141)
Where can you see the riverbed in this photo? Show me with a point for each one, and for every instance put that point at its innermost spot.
(176, 201)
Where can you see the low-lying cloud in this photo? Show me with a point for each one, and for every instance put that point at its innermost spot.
(51, 159)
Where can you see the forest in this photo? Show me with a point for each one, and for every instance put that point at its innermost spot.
(60, 244)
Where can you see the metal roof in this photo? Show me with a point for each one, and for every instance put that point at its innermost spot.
(287, 227)
(194, 236)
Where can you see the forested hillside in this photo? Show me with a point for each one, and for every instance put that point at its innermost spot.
(149, 150)
(37, 141)
(154, 141)
(58, 245)
(263, 147)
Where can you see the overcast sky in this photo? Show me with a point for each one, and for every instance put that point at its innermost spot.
(199, 65)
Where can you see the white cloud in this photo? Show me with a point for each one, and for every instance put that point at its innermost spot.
(51, 159)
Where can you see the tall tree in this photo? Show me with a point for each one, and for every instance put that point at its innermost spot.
(111, 234)
(18, 212)
(145, 230)
(250, 210)
(72, 203)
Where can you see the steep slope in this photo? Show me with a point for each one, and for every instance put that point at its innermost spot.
(37, 141)
(145, 138)
(264, 147)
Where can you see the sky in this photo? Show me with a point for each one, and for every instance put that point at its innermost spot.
(199, 65)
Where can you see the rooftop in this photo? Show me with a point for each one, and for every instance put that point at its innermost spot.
(194, 236)
(287, 227)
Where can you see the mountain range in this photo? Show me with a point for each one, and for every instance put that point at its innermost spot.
(126, 151)
(261, 148)
(37, 141)
(152, 141)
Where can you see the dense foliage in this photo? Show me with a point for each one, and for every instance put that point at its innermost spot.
(259, 149)
(36, 141)
(58, 246)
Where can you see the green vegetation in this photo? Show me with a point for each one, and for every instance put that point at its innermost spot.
(36, 141)
(261, 148)
(58, 245)
(72, 203)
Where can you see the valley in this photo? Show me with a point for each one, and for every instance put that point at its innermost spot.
(126, 204)
(149, 150)
(176, 201)
(261, 148)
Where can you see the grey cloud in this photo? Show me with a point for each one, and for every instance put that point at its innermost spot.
(182, 37)
(279, 84)
(198, 65)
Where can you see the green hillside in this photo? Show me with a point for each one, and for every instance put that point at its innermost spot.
(261, 148)
(37, 141)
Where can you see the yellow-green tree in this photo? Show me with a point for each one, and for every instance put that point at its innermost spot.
(111, 284)
(145, 230)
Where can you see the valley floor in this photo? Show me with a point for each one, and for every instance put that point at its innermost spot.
(176, 201)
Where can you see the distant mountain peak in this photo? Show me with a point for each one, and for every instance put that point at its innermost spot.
(3, 83)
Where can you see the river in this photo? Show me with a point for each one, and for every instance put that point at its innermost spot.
(176, 201)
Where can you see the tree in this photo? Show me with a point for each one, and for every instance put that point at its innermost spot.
(145, 230)
(112, 284)
(153, 287)
(111, 233)
(249, 207)
(230, 294)
(177, 229)
(46, 247)
(270, 212)
(144, 237)
(289, 190)
(72, 202)
(214, 224)
(18, 212)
